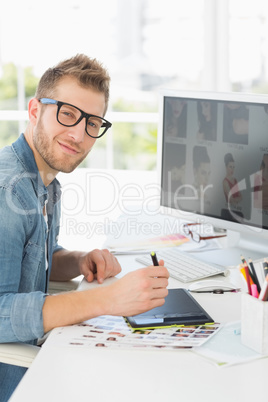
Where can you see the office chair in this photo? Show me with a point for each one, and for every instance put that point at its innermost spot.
(18, 354)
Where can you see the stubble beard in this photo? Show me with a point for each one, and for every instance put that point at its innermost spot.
(44, 147)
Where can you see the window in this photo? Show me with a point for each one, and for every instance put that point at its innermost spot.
(146, 45)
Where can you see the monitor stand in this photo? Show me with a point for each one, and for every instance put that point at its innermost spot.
(248, 245)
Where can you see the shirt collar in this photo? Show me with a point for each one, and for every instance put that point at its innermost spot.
(26, 157)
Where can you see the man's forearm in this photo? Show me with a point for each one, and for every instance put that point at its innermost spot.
(134, 293)
(65, 265)
(73, 307)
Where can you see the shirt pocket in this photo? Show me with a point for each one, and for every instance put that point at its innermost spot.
(33, 268)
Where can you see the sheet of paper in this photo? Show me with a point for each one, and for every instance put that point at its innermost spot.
(113, 332)
(226, 348)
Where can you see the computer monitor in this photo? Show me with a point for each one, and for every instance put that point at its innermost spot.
(213, 165)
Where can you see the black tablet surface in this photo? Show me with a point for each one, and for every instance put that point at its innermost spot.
(180, 308)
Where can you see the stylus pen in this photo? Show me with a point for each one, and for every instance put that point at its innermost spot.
(154, 258)
(216, 291)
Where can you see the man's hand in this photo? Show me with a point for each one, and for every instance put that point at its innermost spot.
(99, 264)
(138, 291)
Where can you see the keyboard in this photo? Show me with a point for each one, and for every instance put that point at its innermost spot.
(183, 267)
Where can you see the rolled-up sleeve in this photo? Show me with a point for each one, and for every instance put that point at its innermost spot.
(21, 318)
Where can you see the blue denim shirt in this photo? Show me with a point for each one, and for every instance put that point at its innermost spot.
(23, 235)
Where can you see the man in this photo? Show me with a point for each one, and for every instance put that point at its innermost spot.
(65, 119)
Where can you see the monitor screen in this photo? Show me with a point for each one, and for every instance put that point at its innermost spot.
(213, 158)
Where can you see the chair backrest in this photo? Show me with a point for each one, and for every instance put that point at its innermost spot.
(18, 354)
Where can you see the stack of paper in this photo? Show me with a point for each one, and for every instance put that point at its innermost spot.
(113, 332)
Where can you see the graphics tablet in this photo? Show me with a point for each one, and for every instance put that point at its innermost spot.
(180, 308)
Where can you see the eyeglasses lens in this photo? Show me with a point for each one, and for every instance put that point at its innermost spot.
(186, 229)
(196, 237)
(68, 115)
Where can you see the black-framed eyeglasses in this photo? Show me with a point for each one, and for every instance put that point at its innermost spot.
(69, 115)
(196, 236)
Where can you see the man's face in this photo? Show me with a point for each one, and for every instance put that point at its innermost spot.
(64, 148)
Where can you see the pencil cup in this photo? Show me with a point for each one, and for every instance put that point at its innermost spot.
(254, 323)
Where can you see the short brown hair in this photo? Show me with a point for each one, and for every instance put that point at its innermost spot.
(89, 73)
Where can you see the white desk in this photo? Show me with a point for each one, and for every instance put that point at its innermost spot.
(127, 375)
(104, 375)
